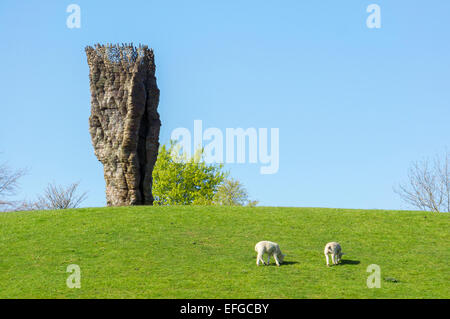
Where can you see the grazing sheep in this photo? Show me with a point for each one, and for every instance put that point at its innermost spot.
(269, 248)
(335, 250)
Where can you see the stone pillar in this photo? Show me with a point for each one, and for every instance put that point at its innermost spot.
(124, 122)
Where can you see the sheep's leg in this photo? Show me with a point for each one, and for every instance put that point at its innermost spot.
(333, 259)
(259, 258)
(276, 260)
(268, 259)
(326, 258)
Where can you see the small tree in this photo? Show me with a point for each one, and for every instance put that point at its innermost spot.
(9, 184)
(59, 197)
(180, 180)
(232, 193)
(428, 186)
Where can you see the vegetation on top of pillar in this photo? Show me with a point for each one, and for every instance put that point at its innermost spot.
(125, 54)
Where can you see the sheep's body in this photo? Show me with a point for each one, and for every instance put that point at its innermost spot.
(271, 249)
(333, 249)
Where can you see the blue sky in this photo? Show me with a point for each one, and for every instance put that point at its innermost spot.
(354, 106)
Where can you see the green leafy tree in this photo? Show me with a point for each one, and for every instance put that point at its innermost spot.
(232, 193)
(182, 180)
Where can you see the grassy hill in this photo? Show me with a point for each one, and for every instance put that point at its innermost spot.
(208, 252)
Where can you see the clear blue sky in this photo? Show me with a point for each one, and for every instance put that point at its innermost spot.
(354, 105)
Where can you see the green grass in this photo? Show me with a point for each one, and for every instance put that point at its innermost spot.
(208, 252)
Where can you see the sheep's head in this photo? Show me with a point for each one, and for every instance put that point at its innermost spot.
(340, 256)
(281, 258)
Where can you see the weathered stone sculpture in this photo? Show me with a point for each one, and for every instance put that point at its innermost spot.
(124, 122)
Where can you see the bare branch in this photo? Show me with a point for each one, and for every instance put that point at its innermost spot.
(9, 184)
(60, 197)
(428, 185)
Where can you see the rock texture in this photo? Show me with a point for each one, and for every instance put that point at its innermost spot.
(124, 122)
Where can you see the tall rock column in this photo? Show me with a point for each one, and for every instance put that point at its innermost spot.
(124, 122)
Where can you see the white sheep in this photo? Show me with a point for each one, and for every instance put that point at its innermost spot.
(269, 248)
(335, 250)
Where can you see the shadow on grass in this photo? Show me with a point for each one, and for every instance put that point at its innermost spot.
(349, 262)
(284, 263)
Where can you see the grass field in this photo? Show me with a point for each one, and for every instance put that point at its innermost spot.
(208, 252)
